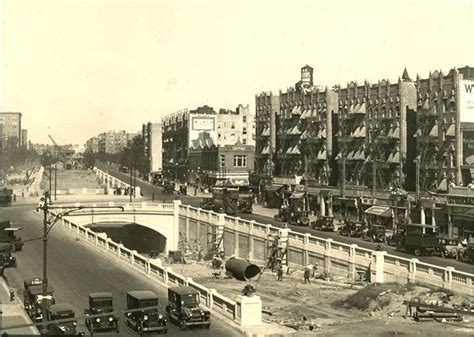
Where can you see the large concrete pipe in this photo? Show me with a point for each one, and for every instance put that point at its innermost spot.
(241, 269)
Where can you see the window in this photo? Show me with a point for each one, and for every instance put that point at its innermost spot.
(244, 119)
(222, 160)
(233, 125)
(244, 141)
(240, 161)
(244, 131)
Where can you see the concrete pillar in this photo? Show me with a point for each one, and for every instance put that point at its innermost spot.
(147, 266)
(132, 257)
(330, 203)
(165, 275)
(210, 298)
(306, 249)
(412, 271)
(251, 240)
(352, 255)
(422, 216)
(172, 242)
(187, 223)
(250, 310)
(377, 267)
(322, 206)
(267, 234)
(433, 217)
(327, 255)
(119, 247)
(448, 278)
(137, 191)
(236, 243)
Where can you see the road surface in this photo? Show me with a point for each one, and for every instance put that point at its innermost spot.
(75, 269)
(148, 190)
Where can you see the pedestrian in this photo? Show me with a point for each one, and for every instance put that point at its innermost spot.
(306, 275)
(280, 273)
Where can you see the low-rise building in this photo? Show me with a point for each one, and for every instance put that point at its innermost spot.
(151, 133)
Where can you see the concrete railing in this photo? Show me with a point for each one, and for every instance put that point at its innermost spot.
(164, 275)
(249, 239)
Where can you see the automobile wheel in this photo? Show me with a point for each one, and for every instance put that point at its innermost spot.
(417, 251)
(12, 248)
(182, 325)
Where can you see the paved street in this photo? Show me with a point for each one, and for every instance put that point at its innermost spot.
(75, 270)
(148, 189)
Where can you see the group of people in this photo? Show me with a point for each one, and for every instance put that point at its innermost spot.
(123, 191)
(308, 272)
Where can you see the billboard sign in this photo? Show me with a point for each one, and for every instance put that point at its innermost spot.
(202, 131)
(466, 101)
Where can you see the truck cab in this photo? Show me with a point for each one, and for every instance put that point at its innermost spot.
(9, 235)
(295, 210)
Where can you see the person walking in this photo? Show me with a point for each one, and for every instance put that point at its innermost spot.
(280, 273)
(306, 275)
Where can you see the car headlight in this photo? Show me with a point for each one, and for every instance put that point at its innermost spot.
(97, 320)
(160, 316)
(74, 323)
(145, 317)
(202, 313)
(111, 319)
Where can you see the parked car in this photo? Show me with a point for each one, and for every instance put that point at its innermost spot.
(207, 203)
(324, 223)
(6, 255)
(33, 298)
(352, 228)
(9, 236)
(183, 308)
(65, 313)
(101, 303)
(146, 319)
(376, 233)
(295, 210)
(168, 187)
(449, 248)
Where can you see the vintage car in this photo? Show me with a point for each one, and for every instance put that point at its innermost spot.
(183, 189)
(9, 236)
(419, 239)
(168, 187)
(183, 308)
(101, 312)
(295, 210)
(244, 204)
(324, 223)
(449, 248)
(6, 255)
(142, 313)
(352, 228)
(33, 298)
(207, 203)
(66, 323)
(376, 233)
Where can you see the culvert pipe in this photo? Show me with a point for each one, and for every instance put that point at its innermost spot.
(241, 269)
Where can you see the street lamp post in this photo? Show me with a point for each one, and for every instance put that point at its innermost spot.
(47, 226)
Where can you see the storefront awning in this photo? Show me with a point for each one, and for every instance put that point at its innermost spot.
(382, 211)
(434, 131)
(239, 181)
(451, 131)
(443, 185)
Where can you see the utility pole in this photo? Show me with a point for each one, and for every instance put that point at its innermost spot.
(44, 306)
(55, 181)
(343, 182)
(374, 178)
(50, 177)
(131, 182)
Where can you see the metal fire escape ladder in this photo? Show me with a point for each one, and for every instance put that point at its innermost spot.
(214, 240)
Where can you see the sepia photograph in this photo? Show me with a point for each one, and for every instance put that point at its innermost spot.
(237, 168)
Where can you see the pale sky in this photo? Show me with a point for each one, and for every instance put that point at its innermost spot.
(75, 68)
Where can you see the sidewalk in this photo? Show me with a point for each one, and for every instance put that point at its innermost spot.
(13, 313)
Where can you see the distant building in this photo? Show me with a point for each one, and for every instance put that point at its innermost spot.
(92, 145)
(24, 138)
(233, 126)
(114, 142)
(209, 163)
(152, 138)
(11, 125)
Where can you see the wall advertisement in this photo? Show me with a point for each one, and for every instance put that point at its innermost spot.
(466, 100)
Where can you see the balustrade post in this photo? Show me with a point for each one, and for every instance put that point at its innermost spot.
(165, 275)
(306, 249)
(448, 277)
(251, 240)
(147, 266)
(412, 271)
(187, 222)
(352, 255)
(119, 248)
(377, 267)
(327, 255)
(210, 298)
(132, 257)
